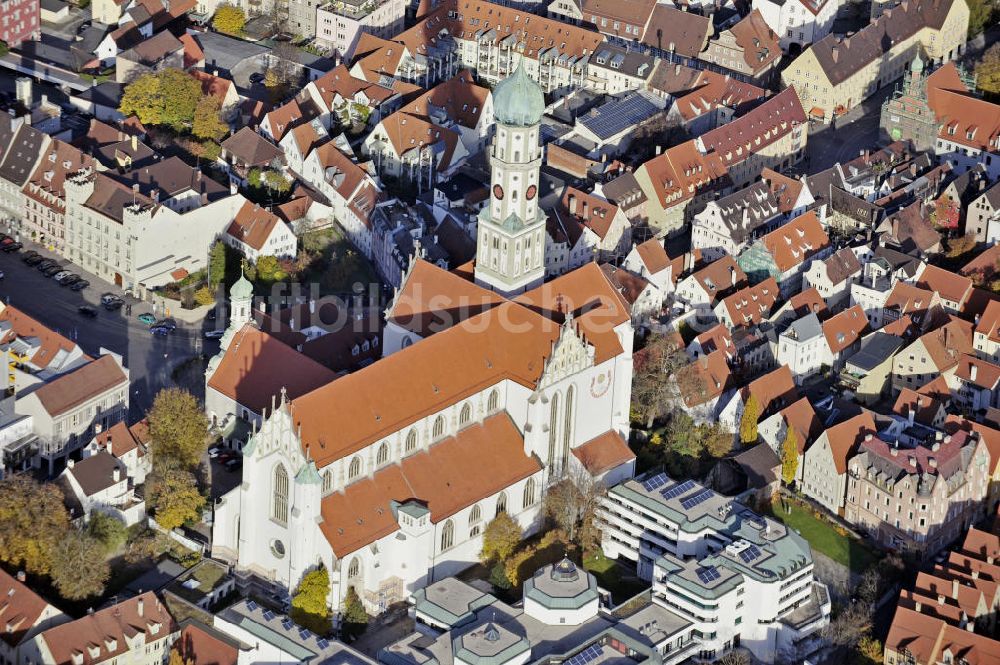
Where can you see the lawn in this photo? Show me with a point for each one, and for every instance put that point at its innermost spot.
(822, 536)
(611, 577)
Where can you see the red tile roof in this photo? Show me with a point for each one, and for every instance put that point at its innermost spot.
(71, 389)
(22, 608)
(947, 284)
(753, 131)
(790, 245)
(603, 453)
(844, 438)
(751, 305)
(845, 328)
(253, 225)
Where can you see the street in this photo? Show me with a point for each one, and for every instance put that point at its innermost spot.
(150, 359)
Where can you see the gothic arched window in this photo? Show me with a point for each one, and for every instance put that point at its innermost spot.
(383, 454)
(354, 470)
(438, 427)
(502, 503)
(279, 504)
(493, 403)
(327, 481)
(354, 569)
(447, 535)
(465, 416)
(567, 426)
(553, 431)
(529, 493)
(411, 441)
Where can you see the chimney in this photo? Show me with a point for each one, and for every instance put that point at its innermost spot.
(116, 474)
(583, 206)
(572, 204)
(138, 606)
(21, 577)
(312, 306)
(835, 53)
(954, 589)
(932, 462)
(69, 463)
(973, 370)
(911, 412)
(135, 143)
(918, 606)
(98, 428)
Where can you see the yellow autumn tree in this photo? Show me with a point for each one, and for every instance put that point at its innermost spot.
(229, 19)
(789, 456)
(748, 423)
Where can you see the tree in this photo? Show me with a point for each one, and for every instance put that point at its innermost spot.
(961, 245)
(207, 121)
(571, 505)
(33, 520)
(166, 98)
(871, 650)
(789, 456)
(178, 428)
(500, 538)
(108, 530)
(269, 269)
(718, 442)
(4, 48)
(204, 296)
(748, 422)
(848, 627)
(309, 602)
(79, 569)
(980, 15)
(354, 619)
(216, 264)
(229, 19)
(988, 71)
(655, 365)
(736, 657)
(175, 498)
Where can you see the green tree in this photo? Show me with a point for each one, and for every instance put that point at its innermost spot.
(500, 538)
(980, 16)
(718, 442)
(4, 48)
(789, 456)
(33, 519)
(309, 602)
(207, 122)
(175, 498)
(108, 530)
(166, 98)
(269, 269)
(178, 428)
(871, 650)
(988, 71)
(79, 567)
(748, 423)
(216, 264)
(229, 19)
(354, 620)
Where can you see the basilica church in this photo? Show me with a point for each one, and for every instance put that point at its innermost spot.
(492, 386)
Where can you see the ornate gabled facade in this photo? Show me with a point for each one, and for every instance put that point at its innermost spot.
(907, 114)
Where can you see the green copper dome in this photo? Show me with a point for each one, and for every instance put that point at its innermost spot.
(518, 100)
(242, 289)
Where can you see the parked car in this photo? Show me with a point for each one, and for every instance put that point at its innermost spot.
(214, 334)
(30, 254)
(233, 464)
(147, 318)
(88, 311)
(79, 285)
(34, 260)
(69, 279)
(256, 77)
(6, 240)
(160, 331)
(214, 451)
(12, 247)
(45, 264)
(53, 270)
(167, 323)
(1, 274)
(59, 275)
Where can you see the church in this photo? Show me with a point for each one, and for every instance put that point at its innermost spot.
(492, 386)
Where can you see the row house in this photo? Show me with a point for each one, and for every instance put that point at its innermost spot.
(256, 232)
(976, 385)
(784, 253)
(28, 614)
(703, 99)
(650, 261)
(838, 73)
(919, 499)
(935, 353)
(350, 100)
(731, 223)
(834, 276)
(797, 419)
(748, 50)
(983, 216)
(21, 149)
(704, 288)
(69, 409)
(986, 336)
(825, 463)
(953, 290)
(748, 306)
(44, 196)
(771, 393)
(584, 227)
(968, 126)
(798, 23)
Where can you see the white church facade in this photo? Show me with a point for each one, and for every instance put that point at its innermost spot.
(489, 391)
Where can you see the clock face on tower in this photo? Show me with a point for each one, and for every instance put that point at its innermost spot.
(498, 191)
(530, 194)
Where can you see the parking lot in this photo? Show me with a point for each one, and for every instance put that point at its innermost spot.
(149, 358)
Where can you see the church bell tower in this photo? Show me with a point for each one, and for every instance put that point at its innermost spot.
(510, 244)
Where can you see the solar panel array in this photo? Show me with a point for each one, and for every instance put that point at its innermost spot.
(677, 490)
(750, 554)
(251, 605)
(656, 482)
(590, 653)
(305, 633)
(322, 643)
(268, 615)
(617, 116)
(287, 623)
(695, 499)
(708, 574)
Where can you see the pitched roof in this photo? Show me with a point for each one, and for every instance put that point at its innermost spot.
(253, 225)
(215, 86)
(74, 388)
(794, 242)
(947, 284)
(628, 285)
(989, 322)
(676, 31)
(962, 117)
(716, 337)
(123, 439)
(291, 113)
(844, 438)
(708, 91)
(458, 98)
(985, 261)
(603, 453)
(909, 299)
(50, 344)
(704, 379)
(841, 265)
(978, 372)
(761, 48)
(772, 391)
(105, 634)
(251, 148)
(653, 255)
(22, 608)
(97, 472)
(476, 462)
(59, 160)
(946, 344)
(206, 646)
(751, 305)
(720, 277)
(755, 130)
(808, 301)
(340, 82)
(923, 407)
(681, 171)
(844, 329)
(23, 150)
(590, 210)
(801, 417)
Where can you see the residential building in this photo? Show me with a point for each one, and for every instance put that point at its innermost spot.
(771, 392)
(138, 630)
(256, 232)
(245, 150)
(705, 555)
(44, 197)
(30, 614)
(750, 50)
(21, 147)
(784, 253)
(702, 99)
(69, 409)
(137, 236)
(968, 132)
(918, 500)
(983, 216)
(339, 25)
(156, 53)
(584, 227)
(38, 352)
(953, 290)
(129, 444)
(834, 276)
(987, 333)
(976, 384)
(837, 73)
(21, 21)
(748, 306)
(798, 23)
(825, 463)
(704, 288)
(947, 615)
(867, 372)
(803, 348)
(101, 483)
(933, 354)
